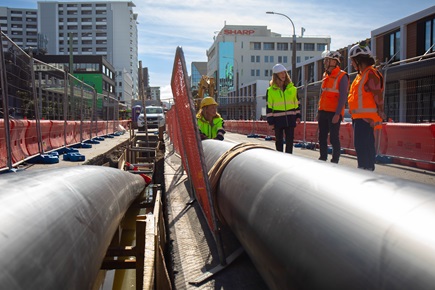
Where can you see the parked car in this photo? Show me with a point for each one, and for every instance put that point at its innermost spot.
(155, 118)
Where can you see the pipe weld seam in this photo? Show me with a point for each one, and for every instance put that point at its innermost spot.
(214, 174)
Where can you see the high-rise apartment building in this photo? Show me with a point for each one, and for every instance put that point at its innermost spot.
(95, 28)
(21, 26)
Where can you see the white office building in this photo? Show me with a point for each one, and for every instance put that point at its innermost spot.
(242, 56)
(96, 28)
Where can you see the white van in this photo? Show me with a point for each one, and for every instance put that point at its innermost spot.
(155, 117)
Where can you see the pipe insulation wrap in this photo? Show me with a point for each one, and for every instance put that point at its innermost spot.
(57, 224)
(307, 224)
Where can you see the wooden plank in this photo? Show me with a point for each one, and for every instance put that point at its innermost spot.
(142, 149)
(150, 255)
(140, 250)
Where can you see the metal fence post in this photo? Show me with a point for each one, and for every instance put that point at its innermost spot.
(4, 90)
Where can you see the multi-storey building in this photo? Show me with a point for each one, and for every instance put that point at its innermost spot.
(94, 70)
(154, 94)
(95, 28)
(242, 55)
(21, 26)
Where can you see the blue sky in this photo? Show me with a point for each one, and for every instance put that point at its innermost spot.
(166, 24)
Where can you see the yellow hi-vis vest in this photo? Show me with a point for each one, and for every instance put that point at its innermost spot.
(211, 131)
(282, 103)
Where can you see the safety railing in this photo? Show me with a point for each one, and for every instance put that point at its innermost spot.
(45, 108)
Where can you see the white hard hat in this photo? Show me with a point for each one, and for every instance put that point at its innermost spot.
(360, 49)
(332, 54)
(278, 68)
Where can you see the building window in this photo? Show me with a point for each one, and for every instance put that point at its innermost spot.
(257, 72)
(252, 72)
(269, 46)
(429, 36)
(257, 58)
(282, 46)
(282, 59)
(309, 46)
(321, 46)
(255, 46)
(392, 46)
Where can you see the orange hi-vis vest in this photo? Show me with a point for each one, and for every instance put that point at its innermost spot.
(331, 90)
(362, 103)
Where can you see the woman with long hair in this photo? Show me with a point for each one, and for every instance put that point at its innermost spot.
(282, 110)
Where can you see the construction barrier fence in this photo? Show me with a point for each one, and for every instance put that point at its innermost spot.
(185, 135)
(44, 108)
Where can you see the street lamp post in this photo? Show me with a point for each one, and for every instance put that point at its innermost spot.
(293, 45)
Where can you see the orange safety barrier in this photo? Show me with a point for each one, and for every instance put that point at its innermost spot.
(382, 146)
(70, 132)
(346, 136)
(86, 130)
(3, 147)
(311, 133)
(101, 128)
(416, 141)
(31, 138)
(237, 127)
(110, 125)
(57, 134)
(263, 128)
(247, 127)
(77, 132)
(228, 124)
(18, 137)
(299, 133)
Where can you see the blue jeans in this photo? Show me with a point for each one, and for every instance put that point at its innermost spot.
(364, 142)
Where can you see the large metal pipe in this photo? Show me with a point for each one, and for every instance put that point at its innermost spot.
(308, 224)
(56, 225)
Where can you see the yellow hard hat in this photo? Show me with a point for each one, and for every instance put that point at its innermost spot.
(207, 101)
